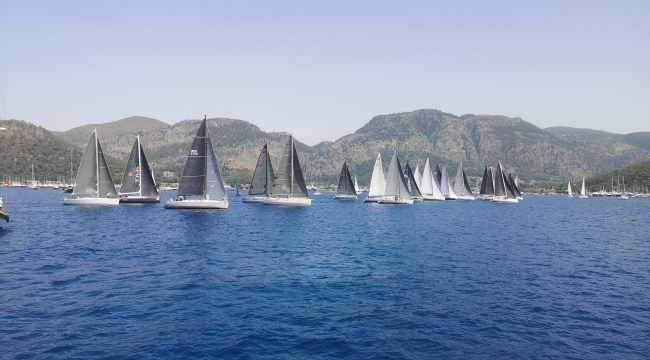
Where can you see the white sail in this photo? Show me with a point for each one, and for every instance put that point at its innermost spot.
(356, 185)
(418, 177)
(396, 186)
(582, 191)
(569, 189)
(445, 186)
(429, 188)
(378, 181)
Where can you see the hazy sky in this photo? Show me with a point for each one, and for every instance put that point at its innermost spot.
(322, 69)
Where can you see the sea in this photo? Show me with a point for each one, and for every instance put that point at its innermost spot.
(548, 278)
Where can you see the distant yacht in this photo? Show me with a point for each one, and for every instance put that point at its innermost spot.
(487, 185)
(515, 188)
(346, 190)
(94, 184)
(138, 185)
(445, 185)
(583, 193)
(430, 189)
(569, 191)
(32, 185)
(502, 191)
(624, 195)
(357, 189)
(289, 186)
(262, 178)
(201, 177)
(377, 182)
(396, 191)
(461, 186)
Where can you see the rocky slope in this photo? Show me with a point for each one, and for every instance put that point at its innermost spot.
(79, 135)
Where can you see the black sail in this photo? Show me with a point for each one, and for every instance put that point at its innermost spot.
(468, 189)
(106, 185)
(490, 183)
(499, 182)
(437, 175)
(346, 187)
(412, 185)
(299, 186)
(259, 181)
(515, 189)
(509, 192)
(483, 190)
(193, 179)
(131, 177)
(147, 183)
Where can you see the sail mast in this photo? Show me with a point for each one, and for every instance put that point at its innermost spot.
(97, 161)
(139, 166)
(291, 186)
(205, 160)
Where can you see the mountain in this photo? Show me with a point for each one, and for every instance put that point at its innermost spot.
(638, 139)
(636, 176)
(79, 135)
(584, 133)
(24, 144)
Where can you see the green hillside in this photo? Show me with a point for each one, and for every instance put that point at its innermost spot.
(636, 177)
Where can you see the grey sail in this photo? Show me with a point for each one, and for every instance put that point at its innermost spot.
(147, 182)
(193, 178)
(483, 190)
(513, 184)
(411, 183)
(509, 192)
(214, 189)
(346, 187)
(106, 185)
(282, 182)
(259, 181)
(299, 186)
(468, 189)
(444, 181)
(459, 183)
(131, 178)
(270, 174)
(499, 182)
(395, 182)
(87, 173)
(437, 176)
(490, 183)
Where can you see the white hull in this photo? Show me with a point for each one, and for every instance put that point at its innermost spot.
(318, 193)
(466, 197)
(288, 201)
(432, 198)
(519, 198)
(584, 196)
(345, 197)
(418, 199)
(254, 199)
(197, 204)
(504, 200)
(372, 199)
(90, 201)
(392, 200)
(485, 197)
(624, 197)
(570, 196)
(32, 188)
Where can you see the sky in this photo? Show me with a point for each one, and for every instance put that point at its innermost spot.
(323, 69)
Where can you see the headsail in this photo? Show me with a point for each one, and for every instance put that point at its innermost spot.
(484, 181)
(214, 188)
(509, 192)
(515, 189)
(418, 177)
(147, 182)
(410, 181)
(106, 185)
(86, 182)
(490, 183)
(260, 181)
(356, 185)
(378, 181)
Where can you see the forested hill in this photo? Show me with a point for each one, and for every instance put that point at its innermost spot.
(637, 176)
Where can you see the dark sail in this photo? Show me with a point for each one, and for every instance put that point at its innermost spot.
(490, 183)
(282, 182)
(509, 191)
(412, 185)
(467, 187)
(87, 173)
(106, 185)
(147, 183)
(131, 177)
(346, 187)
(270, 174)
(515, 190)
(299, 186)
(193, 179)
(259, 181)
(484, 182)
(499, 183)
(437, 175)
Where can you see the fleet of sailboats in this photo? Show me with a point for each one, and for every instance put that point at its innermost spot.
(346, 190)
(138, 185)
(201, 180)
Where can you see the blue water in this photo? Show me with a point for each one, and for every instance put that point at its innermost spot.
(550, 277)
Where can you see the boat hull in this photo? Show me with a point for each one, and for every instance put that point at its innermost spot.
(466, 197)
(197, 204)
(393, 201)
(90, 201)
(584, 197)
(486, 197)
(432, 198)
(254, 199)
(345, 197)
(288, 201)
(504, 200)
(369, 199)
(139, 199)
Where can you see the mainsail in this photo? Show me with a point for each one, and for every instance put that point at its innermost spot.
(570, 192)
(289, 179)
(582, 191)
(193, 179)
(461, 186)
(418, 177)
(346, 187)
(137, 176)
(490, 183)
(429, 188)
(86, 182)
(515, 189)
(410, 182)
(395, 181)
(499, 182)
(484, 181)
(378, 181)
(263, 176)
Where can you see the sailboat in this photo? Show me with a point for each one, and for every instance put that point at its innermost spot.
(418, 177)
(437, 176)
(138, 185)
(70, 187)
(201, 177)
(461, 186)
(32, 185)
(487, 185)
(346, 189)
(515, 188)
(396, 191)
(4, 216)
(237, 193)
(377, 182)
(624, 195)
(445, 185)
(289, 186)
(429, 189)
(583, 192)
(262, 178)
(412, 185)
(357, 189)
(569, 191)
(502, 191)
(94, 180)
